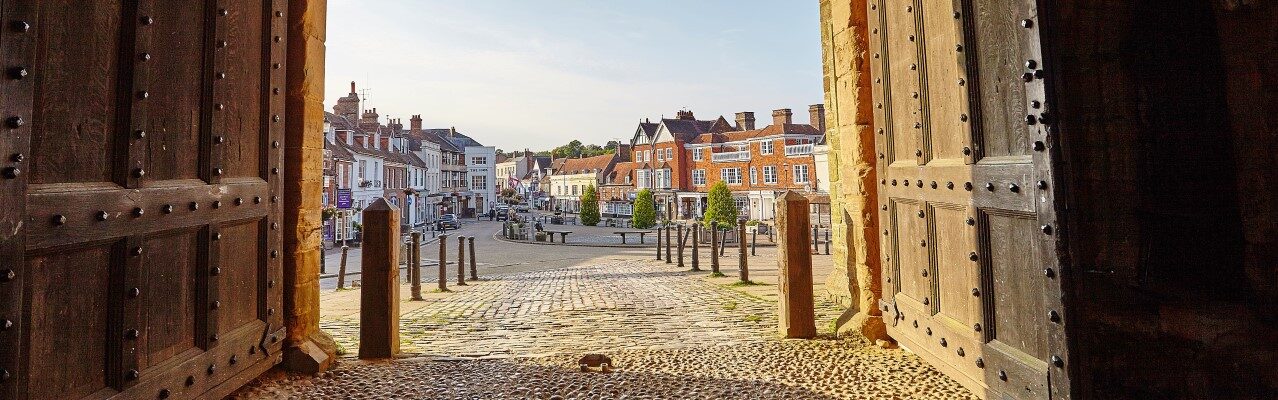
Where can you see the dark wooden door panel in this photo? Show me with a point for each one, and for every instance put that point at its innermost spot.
(144, 257)
(968, 216)
(77, 78)
(67, 316)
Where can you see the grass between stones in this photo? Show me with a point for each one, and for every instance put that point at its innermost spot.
(731, 305)
(717, 275)
(743, 283)
(753, 318)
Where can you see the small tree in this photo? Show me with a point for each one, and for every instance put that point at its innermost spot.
(645, 212)
(590, 207)
(721, 210)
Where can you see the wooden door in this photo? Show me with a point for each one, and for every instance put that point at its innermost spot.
(139, 230)
(967, 207)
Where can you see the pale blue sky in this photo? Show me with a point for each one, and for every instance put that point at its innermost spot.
(539, 73)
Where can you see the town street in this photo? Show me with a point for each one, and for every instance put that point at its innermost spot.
(670, 332)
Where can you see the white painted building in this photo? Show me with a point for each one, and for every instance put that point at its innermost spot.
(481, 174)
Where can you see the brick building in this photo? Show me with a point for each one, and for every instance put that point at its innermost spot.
(680, 158)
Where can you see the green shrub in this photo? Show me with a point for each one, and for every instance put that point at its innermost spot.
(590, 207)
(645, 212)
(721, 210)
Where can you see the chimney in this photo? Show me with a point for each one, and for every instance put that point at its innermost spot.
(416, 123)
(782, 116)
(352, 87)
(452, 132)
(817, 111)
(685, 115)
(745, 121)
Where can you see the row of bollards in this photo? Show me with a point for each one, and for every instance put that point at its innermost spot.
(718, 244)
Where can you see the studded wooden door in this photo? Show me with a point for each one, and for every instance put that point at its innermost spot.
(140, 199)
(967, 203)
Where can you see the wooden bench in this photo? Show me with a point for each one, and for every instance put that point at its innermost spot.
(563, 235)
(623, 235)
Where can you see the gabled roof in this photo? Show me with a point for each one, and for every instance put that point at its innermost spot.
(338, 150)
(770, 130)
(619, 173)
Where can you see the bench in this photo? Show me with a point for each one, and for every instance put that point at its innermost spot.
(623, 235)
(563, 235)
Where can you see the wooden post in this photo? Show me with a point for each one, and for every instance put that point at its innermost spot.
(341, 269)
(794, 267)
(443, 262)
(680, 237)
(696, 248)
(379, 294)
(827, 242)
(723, 239)
(668, 244)
(658, 243)
(815, 248)
(754, 241)
(743, 266)
(474, 272)
(714, 248)
(461, 260)
(415, 265)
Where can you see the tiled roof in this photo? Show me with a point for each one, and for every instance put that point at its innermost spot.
(770, 130)
(585, 165)
(338, 150)
(620, 172)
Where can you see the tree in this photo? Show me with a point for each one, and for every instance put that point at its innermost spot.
(590, 207)
(721, 208)
(645, 212)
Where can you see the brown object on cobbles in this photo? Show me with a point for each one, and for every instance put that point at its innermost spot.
(379, 294)
(743, 264)
(595, 361)
(796, 319)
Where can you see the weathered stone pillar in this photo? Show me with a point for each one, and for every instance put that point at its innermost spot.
(307, 349)
(379, 293)
(797, 319)
(855, 280)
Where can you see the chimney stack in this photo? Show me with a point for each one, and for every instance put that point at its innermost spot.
(685, 115)
(782, 116)
(452, 132)
(416, 124)
(817, 111)
(352, 87)
(745, 121)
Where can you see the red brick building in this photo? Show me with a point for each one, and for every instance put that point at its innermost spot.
(680, 158)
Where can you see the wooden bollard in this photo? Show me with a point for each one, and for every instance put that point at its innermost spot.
(443, 262)
(743, 266)
(827, 242)
(754, 240)
(696, 248)
(794, 267)
(815, 248)
(714, 248)
(415, 265)
(680, 237)
(723, 240)
(474, 272)
(379, 296)
(658, 243)
(461, 261)
(341, 269)
(668, 244)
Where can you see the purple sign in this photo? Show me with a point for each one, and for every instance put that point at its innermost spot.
(344, 199)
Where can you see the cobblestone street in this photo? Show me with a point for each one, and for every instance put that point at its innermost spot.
(672, 333)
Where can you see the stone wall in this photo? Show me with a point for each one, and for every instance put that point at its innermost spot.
(855, 281)
(308, 349)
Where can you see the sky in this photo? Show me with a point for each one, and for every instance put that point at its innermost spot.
(539, 73)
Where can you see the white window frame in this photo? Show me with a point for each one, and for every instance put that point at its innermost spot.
(754, 176)
(804, 175)
(731, 176)
(696, 155)
(698, 177)
(769, 174)
(765, 147)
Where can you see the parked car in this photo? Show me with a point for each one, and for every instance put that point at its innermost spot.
(522, 208)
(448, 221)
(502, 212)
